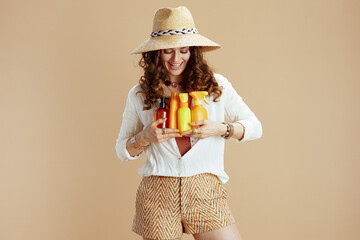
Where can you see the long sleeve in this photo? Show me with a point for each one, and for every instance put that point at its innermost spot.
(236, 110)
(131, 125)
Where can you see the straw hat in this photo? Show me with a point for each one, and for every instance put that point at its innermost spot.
(172, 28)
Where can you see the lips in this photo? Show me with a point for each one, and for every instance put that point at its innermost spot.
(175, 66)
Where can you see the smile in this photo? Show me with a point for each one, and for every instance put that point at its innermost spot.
(175, 65)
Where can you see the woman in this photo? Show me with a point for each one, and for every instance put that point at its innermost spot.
(182, 189)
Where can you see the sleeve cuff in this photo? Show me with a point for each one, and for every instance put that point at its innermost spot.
(247, 130)
(253, 129)
(127, 154)
(123, 153)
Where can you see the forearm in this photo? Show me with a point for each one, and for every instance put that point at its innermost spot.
(138, 147)
(239, 130)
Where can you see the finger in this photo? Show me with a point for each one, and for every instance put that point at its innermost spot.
(172, 135)
(160, 133)
(198, 123)
(164, 137)
(172, 130)
(159, 121)
(187, 133)
(164, 131)
(168, 138)
(195, 135)
(196, 131)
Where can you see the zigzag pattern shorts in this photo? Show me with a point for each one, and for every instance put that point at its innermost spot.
(167, 207)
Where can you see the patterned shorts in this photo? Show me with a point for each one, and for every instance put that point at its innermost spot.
(168, 206)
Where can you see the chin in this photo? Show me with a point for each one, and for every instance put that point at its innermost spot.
(176, 73)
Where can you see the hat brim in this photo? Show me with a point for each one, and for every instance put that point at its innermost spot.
(175, 41)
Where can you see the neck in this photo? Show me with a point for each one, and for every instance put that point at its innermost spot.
(175, 78)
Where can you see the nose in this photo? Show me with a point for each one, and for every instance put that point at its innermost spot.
(176, 56)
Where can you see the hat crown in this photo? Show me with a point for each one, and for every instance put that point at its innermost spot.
(174, 28)
(172, 18)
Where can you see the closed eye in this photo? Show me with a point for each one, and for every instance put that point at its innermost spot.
(168, 51)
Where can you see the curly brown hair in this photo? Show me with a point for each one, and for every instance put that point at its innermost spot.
(198, 76)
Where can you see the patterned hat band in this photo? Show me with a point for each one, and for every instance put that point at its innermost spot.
(174, 32)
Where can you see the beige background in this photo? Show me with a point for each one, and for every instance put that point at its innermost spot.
(65, 72)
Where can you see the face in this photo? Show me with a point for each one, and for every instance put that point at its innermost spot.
(174, 60)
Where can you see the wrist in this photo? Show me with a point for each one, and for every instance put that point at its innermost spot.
(242, 131)
(140, 139)
(222, 129)
(229, 130)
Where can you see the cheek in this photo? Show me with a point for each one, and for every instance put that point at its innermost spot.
(186, 59)
(162, 56)
(163, 61)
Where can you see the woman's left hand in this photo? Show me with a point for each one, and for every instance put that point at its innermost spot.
(207, 128)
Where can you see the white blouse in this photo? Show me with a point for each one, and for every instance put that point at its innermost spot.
(205, 155)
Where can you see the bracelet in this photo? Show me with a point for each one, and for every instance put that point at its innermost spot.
(135, 144)
(229, 130)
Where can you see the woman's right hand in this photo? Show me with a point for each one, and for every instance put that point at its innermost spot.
(154, 134)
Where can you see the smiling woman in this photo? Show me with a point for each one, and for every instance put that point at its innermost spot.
(182, 189)
(160, 72)
(175, 60)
